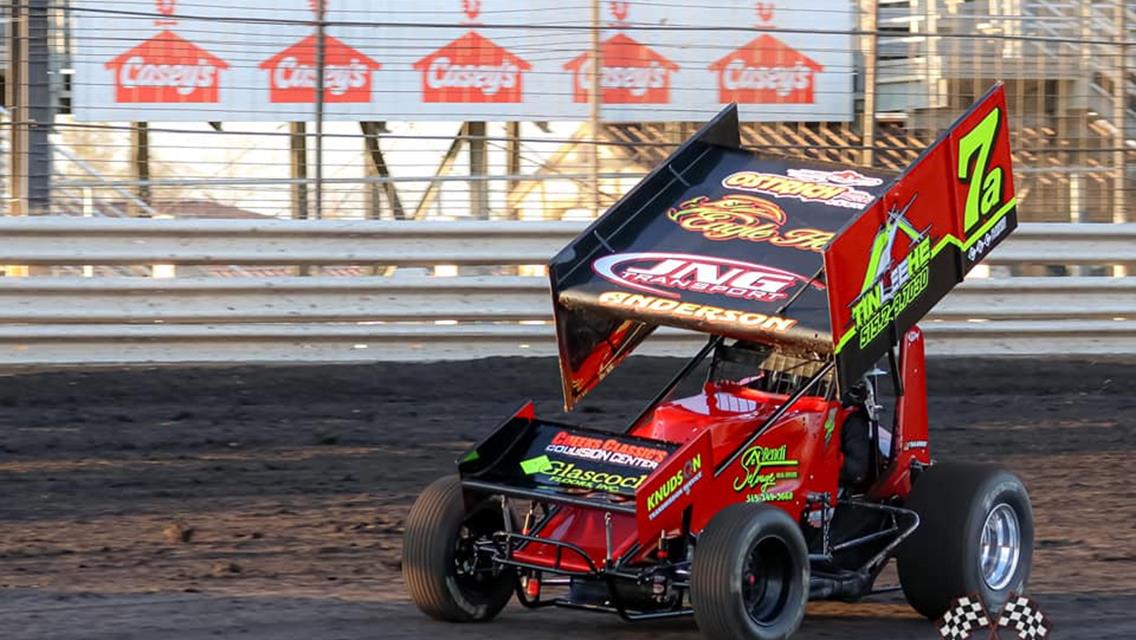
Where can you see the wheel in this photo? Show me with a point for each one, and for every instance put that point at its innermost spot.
(445, 577)
(975, 538)
(750, 576)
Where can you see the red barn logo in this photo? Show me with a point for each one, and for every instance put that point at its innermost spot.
(472, 69)
(167, 68)
(292, 73)
(632, 73)
(767, 71)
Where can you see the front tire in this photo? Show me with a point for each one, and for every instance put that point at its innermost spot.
(444, 576)
(975, 538)
(750, 575)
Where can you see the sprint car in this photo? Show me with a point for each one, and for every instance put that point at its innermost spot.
(789, 459)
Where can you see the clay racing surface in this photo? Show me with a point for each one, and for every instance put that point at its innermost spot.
(267, 503)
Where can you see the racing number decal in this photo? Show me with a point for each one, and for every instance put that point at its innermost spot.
(984, 183)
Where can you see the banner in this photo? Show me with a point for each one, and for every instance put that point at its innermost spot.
(256, 60)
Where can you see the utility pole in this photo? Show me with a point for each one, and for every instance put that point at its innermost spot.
(29, 96)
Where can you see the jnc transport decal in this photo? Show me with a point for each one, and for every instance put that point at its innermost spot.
(766, 71)
(472, 68)
(761, 470)
(667, 274)
(652, 305)
(607, 450)
(745, 218)
(833, 188)
(167, 68)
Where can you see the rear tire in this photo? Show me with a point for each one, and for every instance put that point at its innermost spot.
(440, 570)
(750, 576)
(975, 538)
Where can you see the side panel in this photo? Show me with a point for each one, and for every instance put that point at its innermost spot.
(887, 269)
(682, 481)
(797, 456)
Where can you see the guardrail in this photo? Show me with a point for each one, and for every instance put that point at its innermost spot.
(67, 320)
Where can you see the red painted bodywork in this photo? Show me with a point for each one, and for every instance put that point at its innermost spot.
(715, 424)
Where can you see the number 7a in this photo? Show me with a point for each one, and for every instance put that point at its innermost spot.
(984, 185)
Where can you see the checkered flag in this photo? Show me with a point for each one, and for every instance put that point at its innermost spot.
(964, 618)
(1022, 615)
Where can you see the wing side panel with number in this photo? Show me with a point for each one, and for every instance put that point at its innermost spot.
(888, 267)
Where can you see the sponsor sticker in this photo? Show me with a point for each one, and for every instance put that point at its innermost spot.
(677, 485)
(699, 312)
(891, 284)
(833, 194)
(762, 468)
(608, 450)
(746, 218)
(569, 474)
(667, 274)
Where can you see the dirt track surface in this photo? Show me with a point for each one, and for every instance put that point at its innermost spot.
(293, 484)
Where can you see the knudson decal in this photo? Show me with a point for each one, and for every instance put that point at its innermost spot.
(664, 273)
(675, 486)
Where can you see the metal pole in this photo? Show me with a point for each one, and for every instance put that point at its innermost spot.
(478, 167)
(1119, 108)
(512, 165)
(321, 46)
(30, 98)
(298, 153)
(140, 146)
(595, 98)
(869, 20)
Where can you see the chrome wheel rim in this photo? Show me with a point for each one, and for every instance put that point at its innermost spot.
(1001, 547)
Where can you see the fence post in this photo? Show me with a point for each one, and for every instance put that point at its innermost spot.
(478, 169)
(31, 115)
(321, 50)
(1120, 120)
(869, 12)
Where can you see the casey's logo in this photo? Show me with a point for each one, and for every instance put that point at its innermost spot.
(167, 68)
(766, 71)
(632, 73)
(744, 218)
(665, 273)
(292, 73)
(472, 69)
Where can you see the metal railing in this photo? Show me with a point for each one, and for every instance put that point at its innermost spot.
(410, 315)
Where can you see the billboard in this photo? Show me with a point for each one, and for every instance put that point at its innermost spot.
(164, 60)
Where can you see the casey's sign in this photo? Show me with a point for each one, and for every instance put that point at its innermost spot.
(167, 69)
(292, 73)
(632, 73)
(472, 69)
(766, 71)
